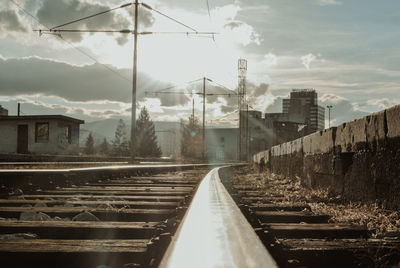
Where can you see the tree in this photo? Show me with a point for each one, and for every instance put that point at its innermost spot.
(89, 149)
(191, 143)
(104, 147)
(120, 145)
(145, 136)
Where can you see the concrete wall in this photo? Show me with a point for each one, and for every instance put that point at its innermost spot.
(57, 143)
(359, 160)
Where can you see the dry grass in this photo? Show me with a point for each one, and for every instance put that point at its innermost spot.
(381, 222)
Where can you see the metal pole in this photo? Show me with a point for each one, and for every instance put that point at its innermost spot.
(204, 118)
(329, 120)
(193, 108)
(134, 82)
(329, 115)
(247, 133)
(240, 129)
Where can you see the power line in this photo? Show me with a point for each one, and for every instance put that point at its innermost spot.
(174, 86)
(69, 43)
(224, 87)
(91, 16)
(124, 31)
(168, 17)
(89, 56)
(134, 73)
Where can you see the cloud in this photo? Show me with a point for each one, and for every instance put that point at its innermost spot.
(35, 75)
(328, 2)
(382, 103)
(343, 110)
(169, 100)
(39, 104)
(270, 60)
(10, 21)
(307, 59)
(234, 24)
(231, 28)
(53, 13)
(257, 91)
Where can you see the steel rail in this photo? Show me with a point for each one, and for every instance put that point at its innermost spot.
(67, 171)
(214, 233)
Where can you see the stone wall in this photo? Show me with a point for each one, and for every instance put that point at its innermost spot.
(358, 160)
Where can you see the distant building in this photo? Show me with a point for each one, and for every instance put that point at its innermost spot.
(221, 144)
(169, 136)
(39, 134)
(301, 115)
(302, 107)
(3, 111)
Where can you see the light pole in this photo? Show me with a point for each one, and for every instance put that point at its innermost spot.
(329, 115)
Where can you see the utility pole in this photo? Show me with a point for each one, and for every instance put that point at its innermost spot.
(193, 107)
(204, 118)
(329, 115)
(204, 94)
(134, 83)
(55, 30)
(247, 133)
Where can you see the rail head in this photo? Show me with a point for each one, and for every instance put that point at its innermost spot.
(215, 233)
(113, 168)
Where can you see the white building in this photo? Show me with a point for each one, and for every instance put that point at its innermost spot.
(39, 134)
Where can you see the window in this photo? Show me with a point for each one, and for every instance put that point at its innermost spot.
(42, 132)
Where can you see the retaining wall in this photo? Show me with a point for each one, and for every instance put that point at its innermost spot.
(359, 160)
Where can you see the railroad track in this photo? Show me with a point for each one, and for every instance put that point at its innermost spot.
(296, 237)
(112, 218)
(134, 218)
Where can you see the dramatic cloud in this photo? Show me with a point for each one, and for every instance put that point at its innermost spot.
(257, 91)
(53, 13)
(76, 83)
(169, 100)
(9, 21)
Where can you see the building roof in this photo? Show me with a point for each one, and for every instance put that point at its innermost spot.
(42, 117)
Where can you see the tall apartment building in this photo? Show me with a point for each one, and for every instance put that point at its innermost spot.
(302, 107)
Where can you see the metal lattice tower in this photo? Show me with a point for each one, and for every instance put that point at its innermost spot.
(242, 108)
(242, 71)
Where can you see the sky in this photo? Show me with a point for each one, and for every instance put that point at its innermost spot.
(347, 50)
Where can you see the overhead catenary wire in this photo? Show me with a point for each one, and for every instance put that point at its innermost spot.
(69, 43)
(174, 86)
(91, 16)
(224, 87)
(163, 91)
(123, 31)
(168, 17)
(208, 9)
(94, 59)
